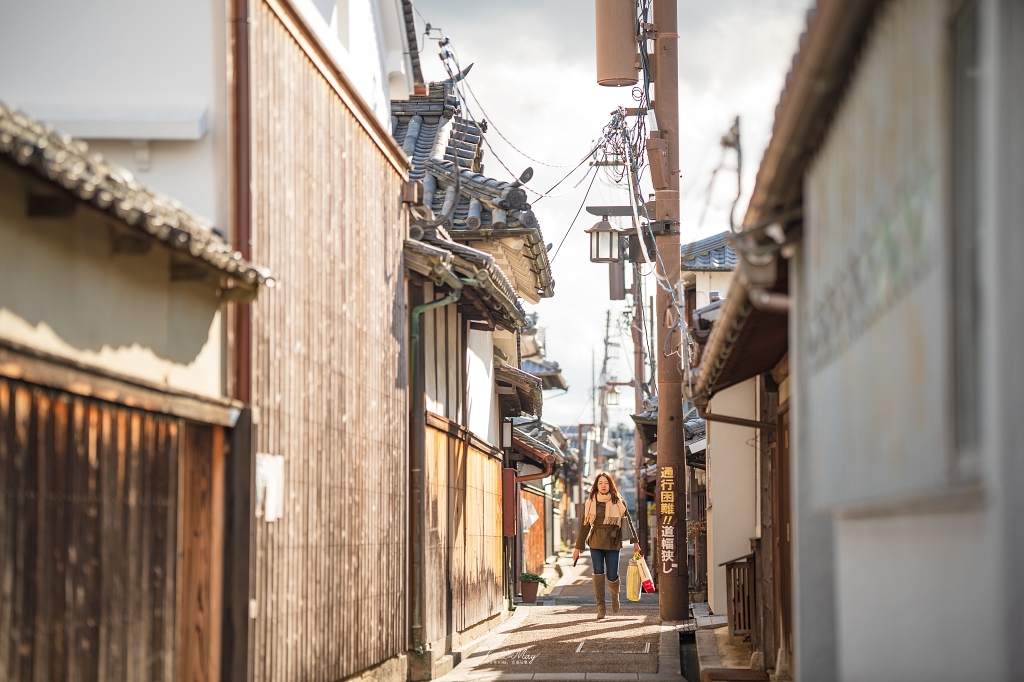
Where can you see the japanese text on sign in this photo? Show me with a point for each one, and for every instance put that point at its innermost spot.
(667, 520)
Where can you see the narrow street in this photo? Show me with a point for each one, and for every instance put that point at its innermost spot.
(560, 638)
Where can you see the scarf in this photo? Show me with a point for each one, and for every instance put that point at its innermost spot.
(612, 512)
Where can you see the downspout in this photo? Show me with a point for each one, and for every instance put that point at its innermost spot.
(549, 465)
(417, 457)
(242, 351)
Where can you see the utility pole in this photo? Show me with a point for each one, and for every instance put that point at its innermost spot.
(619, 34)
(673, 582)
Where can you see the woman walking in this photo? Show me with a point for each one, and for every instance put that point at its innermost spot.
(601, 528)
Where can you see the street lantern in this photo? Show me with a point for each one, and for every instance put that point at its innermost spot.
(613, 396)
(604, 242)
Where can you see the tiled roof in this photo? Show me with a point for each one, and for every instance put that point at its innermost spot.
(528, 397)
(490, 211)
(67, 163)
(440, 260)
(711, 254)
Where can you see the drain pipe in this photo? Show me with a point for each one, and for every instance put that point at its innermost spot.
(549, 465)
(417, 457)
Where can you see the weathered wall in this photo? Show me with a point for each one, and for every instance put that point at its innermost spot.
(464, 538)
(897, 577)
(877, 279)
(329, 377)
(64, 291)
(88, 538)
(889, 539)
(732, 487)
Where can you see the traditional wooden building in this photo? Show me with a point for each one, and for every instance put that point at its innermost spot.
(119, 450)
(466, 278)
(319, 182)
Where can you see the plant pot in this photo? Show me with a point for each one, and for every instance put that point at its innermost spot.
(529, 590)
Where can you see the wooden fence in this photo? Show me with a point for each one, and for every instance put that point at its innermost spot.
(329, 377)
(97, 581)
(464, 534)
(739, 583)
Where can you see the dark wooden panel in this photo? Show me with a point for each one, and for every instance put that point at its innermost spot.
(88, 535)
(202, 522)
(236, 661)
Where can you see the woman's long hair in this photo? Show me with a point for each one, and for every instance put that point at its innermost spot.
(612, 488)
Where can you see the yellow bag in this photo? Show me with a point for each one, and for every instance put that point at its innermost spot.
(633, 580)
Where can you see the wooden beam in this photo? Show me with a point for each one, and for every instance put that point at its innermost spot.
(27, 364)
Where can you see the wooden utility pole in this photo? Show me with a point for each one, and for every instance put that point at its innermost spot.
(670, 496)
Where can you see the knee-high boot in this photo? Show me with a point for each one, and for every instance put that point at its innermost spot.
(599, 595)
(613, 589)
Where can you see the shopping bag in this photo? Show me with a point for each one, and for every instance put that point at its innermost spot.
(645, 574)
(633, 580)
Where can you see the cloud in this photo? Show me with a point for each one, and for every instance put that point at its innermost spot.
(534, 75)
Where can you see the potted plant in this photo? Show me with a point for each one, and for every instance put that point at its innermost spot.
(529, 583)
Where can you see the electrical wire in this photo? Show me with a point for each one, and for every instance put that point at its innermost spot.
(509, 142)
(575, 218)
(448, 54)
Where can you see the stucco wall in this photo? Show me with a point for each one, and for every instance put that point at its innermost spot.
(63, 291)
(711, 281)
(917, 598)
(731, 487)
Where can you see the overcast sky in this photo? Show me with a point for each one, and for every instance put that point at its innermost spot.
(534, 76)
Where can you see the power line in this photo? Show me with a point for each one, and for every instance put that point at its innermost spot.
(509, 142)
(575, 218)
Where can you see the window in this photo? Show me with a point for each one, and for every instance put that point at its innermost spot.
(967, 302)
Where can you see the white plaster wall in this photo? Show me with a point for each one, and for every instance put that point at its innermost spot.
(482, 415)
(123, 63)
(711, 281)
(63, 291)
(917, 598)
(732, 487)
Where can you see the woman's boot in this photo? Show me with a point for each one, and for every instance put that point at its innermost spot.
(599, 595)
(613, 588)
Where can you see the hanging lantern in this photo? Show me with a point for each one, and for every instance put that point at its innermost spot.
(613, 396)
(604, 242)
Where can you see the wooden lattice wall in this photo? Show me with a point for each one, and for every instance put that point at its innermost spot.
(464, 539)
(329, 382)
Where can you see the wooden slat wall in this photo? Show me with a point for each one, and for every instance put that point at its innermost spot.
(89, 546)
(483, 577)
(464, 539)
(328, 370)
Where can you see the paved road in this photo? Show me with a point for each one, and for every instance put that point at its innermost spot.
(561, 639)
